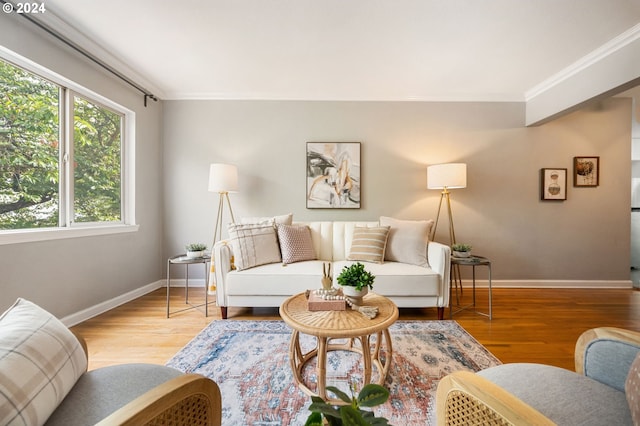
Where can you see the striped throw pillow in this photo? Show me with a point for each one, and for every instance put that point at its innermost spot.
(369, 244)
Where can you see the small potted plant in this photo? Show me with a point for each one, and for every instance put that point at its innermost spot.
(351, 413)
(195, 250)
(355, 281)
(461, 250)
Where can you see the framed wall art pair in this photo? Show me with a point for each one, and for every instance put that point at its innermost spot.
(553, 181)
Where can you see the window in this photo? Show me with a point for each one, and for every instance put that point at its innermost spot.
(64, 153)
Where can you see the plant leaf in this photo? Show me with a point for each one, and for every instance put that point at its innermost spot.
(372, 395)
(337, 392)
(351, 416)
(314, 419)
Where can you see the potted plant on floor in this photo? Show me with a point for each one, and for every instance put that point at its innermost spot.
(461, 250)
(355, 282)
(351, 413)
(195, 250)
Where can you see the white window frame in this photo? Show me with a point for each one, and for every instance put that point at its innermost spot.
(67, 228)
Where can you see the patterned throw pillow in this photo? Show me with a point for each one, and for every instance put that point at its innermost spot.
(408, 240)
(253, 245)
(632, 390)
(296, 244)
(369, 244)
(40, 361)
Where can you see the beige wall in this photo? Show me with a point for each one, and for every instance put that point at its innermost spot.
(69, 275)
(585, 238)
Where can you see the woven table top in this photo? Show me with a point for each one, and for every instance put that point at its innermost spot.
(338, 324)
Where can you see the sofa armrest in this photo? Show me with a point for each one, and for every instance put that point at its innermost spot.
(439, 258)
(222, 261)
(464, 398)
(605, 354)
(185, 400)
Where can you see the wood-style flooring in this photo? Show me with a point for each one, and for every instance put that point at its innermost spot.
(529, 325)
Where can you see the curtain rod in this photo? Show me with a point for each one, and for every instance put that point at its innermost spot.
(147, 94)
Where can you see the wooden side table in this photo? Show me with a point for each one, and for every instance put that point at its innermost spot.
(349, 324)
(473, 261)
(182, 259)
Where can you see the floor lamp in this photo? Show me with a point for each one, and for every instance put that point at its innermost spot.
(445, 177)
(223, 179)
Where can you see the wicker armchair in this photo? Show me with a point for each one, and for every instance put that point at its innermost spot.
(168, 398)
(535, 394)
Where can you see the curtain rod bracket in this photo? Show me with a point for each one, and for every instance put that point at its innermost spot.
(149, 96)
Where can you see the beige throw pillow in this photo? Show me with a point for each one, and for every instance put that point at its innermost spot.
(369, 244)
(407, 241)
(253, 245)
(296, 244)
(40, 361)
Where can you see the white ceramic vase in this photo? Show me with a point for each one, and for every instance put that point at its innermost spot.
(355, 296)
(462, 253)
(195, 254)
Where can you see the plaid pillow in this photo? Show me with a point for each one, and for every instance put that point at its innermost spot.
(40, 361)
(253, 245)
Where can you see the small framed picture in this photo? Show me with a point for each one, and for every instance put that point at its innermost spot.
(586, 171)
(553, 184)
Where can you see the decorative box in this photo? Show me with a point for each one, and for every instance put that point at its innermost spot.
(317, 303)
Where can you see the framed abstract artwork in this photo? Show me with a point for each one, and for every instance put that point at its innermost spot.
(333, 175)
(586, 171)
(553, 184)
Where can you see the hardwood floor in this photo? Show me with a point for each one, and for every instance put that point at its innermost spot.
(529, 325)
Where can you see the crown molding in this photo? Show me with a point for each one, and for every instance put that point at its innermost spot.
(612, 46)
(54, 23)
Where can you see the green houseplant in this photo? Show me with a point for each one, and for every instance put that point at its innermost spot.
(351, 413)
(195, 250)
(461, 250)
(356, 276)
(355, 282)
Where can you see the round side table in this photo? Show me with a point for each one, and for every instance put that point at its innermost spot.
(348, 324)
(182, 259)
(473, 261)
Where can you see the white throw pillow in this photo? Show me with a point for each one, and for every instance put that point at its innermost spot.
(296, 244)
(407, 241)
(369, 243)
(284, 219)
(253, 245)
(40, 361)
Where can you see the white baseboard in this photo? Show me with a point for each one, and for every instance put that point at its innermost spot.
(550, 283)
(100, 308)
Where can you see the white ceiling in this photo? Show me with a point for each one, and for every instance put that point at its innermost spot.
(464, 50)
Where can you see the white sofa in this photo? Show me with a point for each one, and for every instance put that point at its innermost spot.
(268, 285)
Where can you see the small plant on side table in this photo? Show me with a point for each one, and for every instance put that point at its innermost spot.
(195, 250)
(350, 414)
(461, 250)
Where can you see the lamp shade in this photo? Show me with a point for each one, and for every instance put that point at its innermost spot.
(451, 175)
(223, 178)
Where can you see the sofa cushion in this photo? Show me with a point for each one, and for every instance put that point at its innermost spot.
(295, 243)
(275, 279)
(632, 390)
(40, 361)
(565, 397)
(408, 240)
(253, 245)
(369, 243)
(284, 219)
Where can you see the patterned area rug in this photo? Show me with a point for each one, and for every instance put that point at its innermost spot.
(249, 360)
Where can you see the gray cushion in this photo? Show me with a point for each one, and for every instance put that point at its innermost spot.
(608, 361)
(98, 393)
(565, 397)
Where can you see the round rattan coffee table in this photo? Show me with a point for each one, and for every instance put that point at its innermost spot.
(349, 324)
